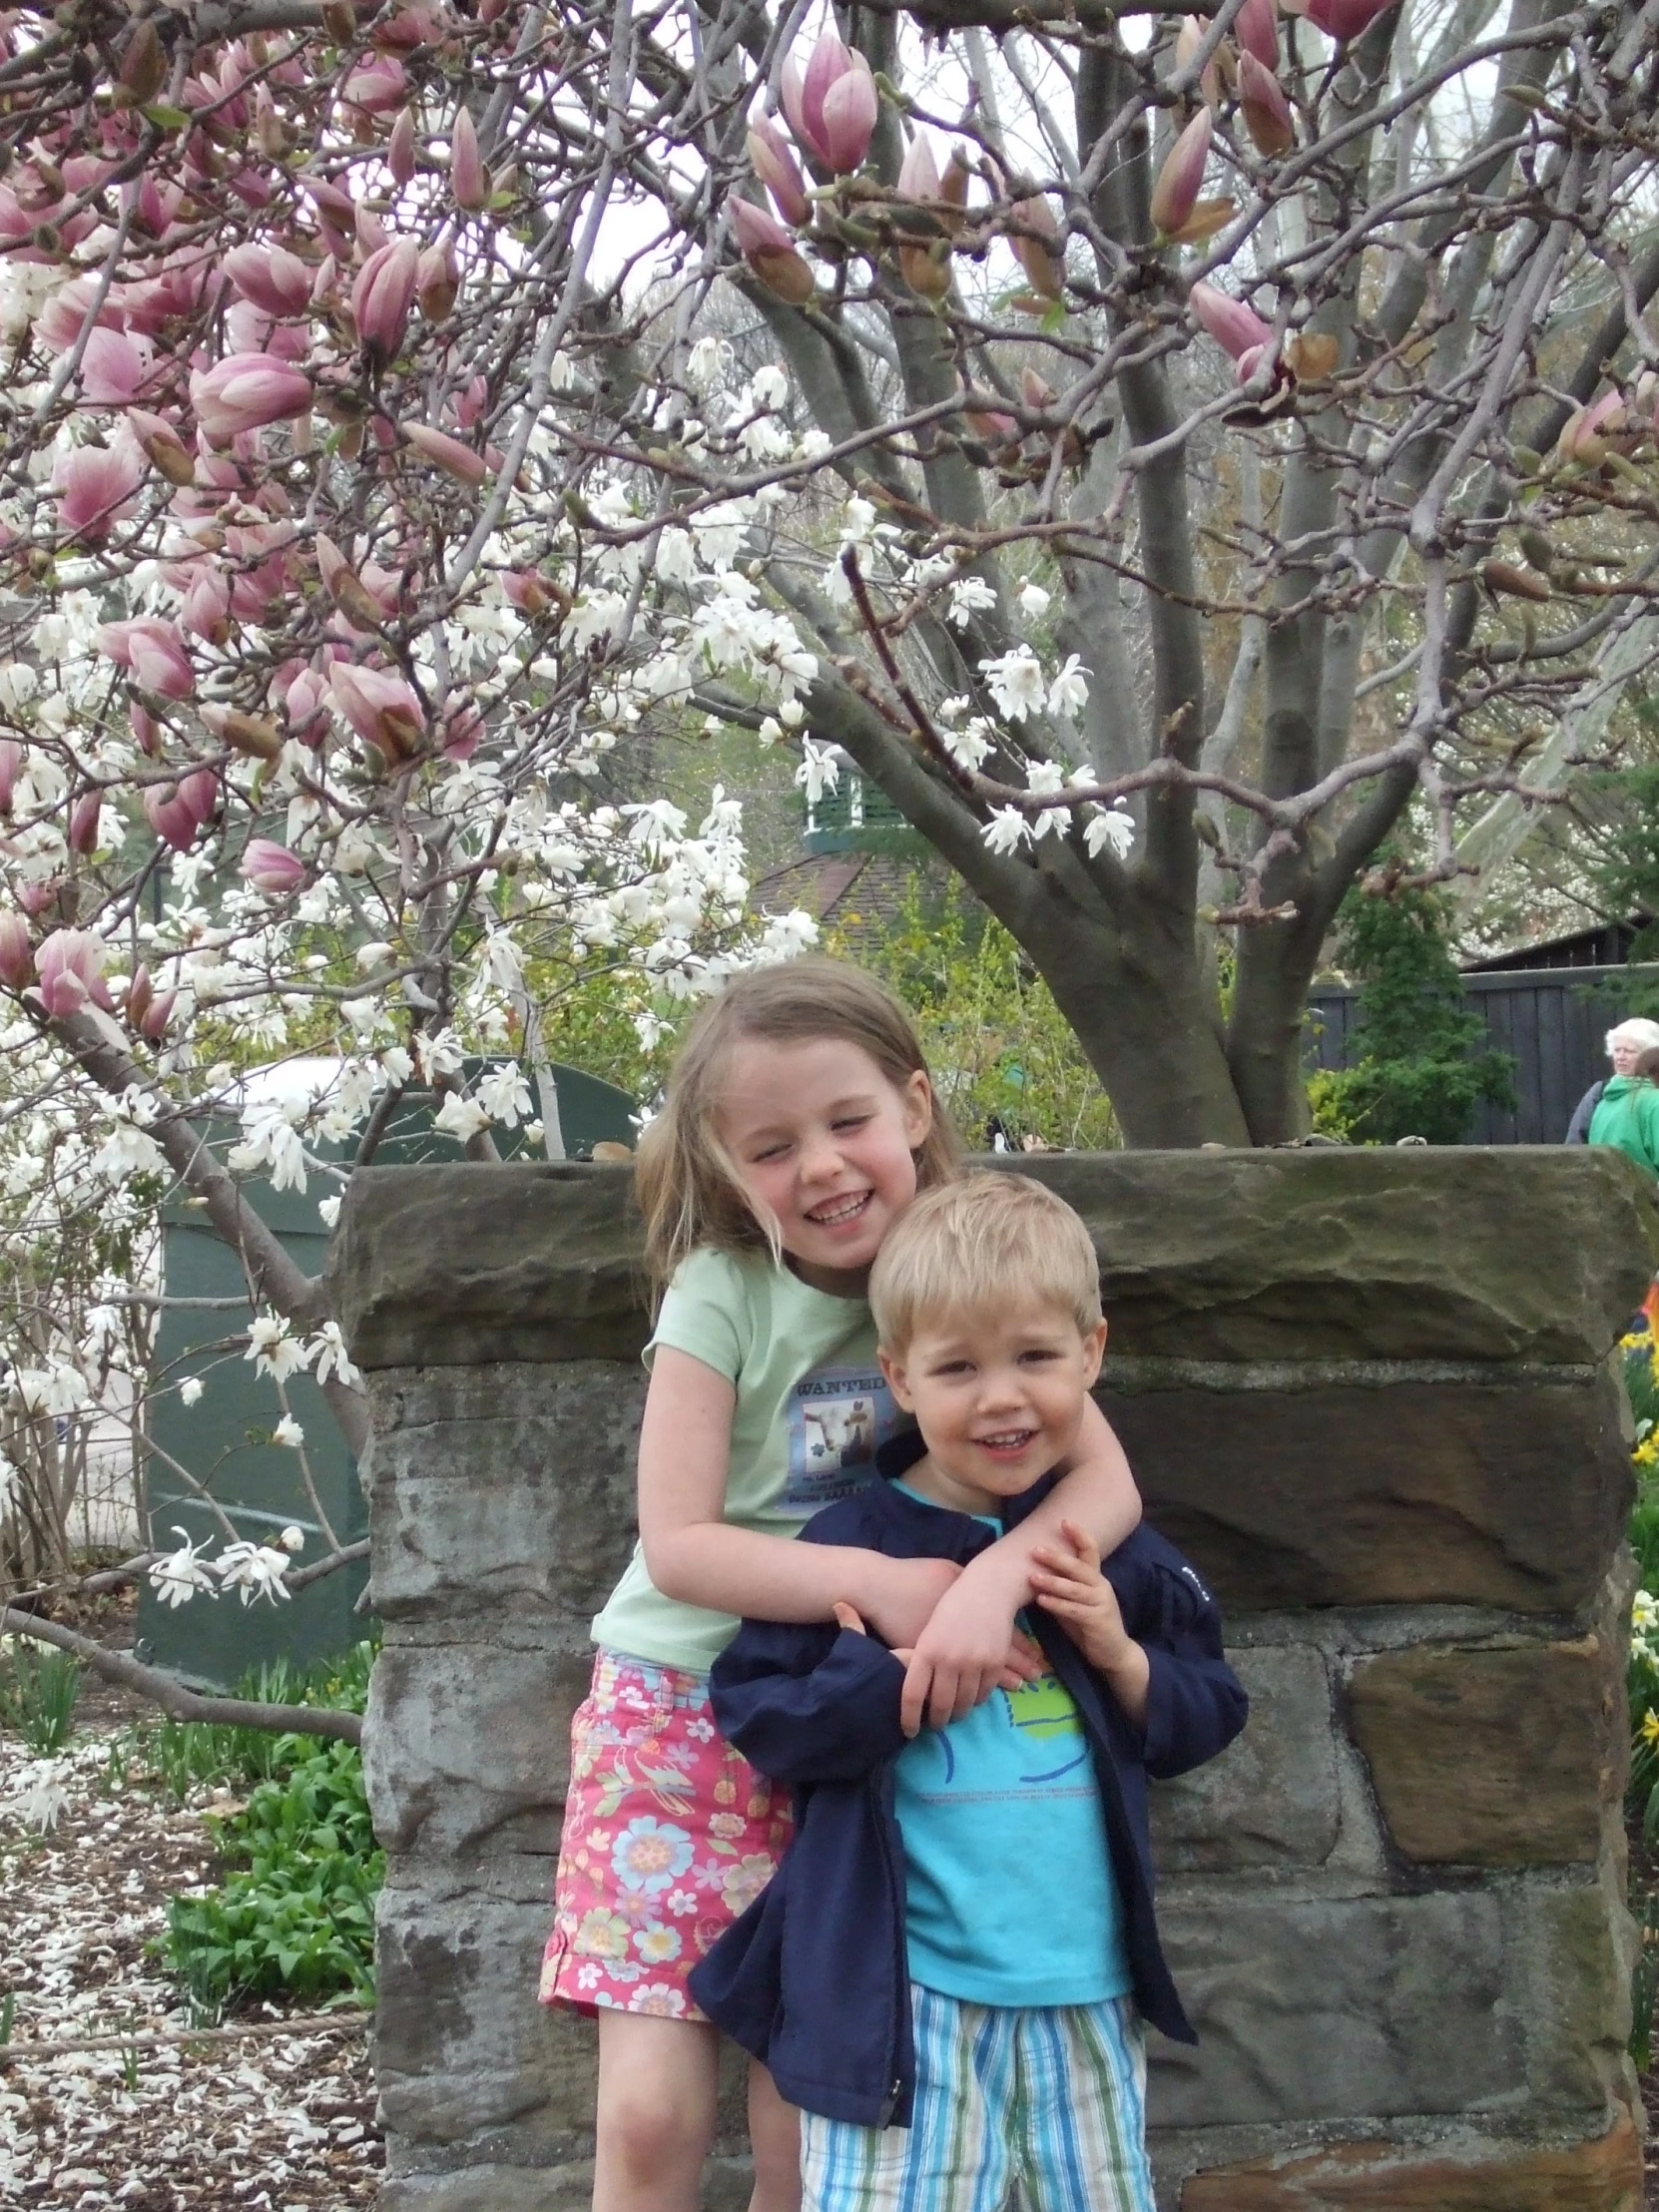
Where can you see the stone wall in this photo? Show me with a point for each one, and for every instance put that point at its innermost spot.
(1369, 1393)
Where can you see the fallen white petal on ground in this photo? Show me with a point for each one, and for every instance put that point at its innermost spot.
(278, 2124)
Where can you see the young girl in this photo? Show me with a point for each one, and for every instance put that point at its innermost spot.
(800, 1123)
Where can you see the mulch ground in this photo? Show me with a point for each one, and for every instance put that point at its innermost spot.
(274, 2121)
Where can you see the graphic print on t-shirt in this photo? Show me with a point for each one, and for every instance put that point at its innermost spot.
(836, 1417)
(1047, 1732)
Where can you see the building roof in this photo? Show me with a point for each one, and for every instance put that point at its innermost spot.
(1603, 944)
(855, 891)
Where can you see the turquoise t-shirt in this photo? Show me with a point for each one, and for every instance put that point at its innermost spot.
(811, 1407)
(1010, 1898)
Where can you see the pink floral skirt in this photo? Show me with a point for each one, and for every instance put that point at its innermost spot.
(668, 1836)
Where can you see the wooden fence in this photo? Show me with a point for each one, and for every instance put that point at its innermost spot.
(1551, 1021)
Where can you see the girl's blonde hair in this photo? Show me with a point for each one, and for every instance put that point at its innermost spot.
(688, 1186)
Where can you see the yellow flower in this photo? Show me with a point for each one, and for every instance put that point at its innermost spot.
(1649, 1730)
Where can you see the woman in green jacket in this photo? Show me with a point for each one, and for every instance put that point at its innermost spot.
(1628, 1113)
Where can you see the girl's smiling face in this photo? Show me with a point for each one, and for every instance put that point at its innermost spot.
(824, 1144)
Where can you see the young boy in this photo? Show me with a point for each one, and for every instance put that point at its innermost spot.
(949, 1970)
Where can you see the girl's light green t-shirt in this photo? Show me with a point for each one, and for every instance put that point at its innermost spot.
(811, 1407)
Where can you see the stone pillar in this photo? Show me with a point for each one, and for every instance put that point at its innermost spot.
(1368, 1392)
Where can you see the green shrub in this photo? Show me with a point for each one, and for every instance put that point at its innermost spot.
(186, 1755)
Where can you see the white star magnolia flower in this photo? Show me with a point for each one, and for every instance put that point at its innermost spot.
(273, 1350)
(288, 1432)
(270, 1145)
(1032, 601)
(1114, 827)
(819, 771)
(329, 1346)
(292, 1539)
(439, 1056)
(177, 1577)
(460, 1118)
(53, 1391)
(970, 595)
(1068, 695)
(189, 1391)
(40, 1805)
(254, 1570)
(328, 1209)
(504, 1094)
(1006, 831)
(1015, 683)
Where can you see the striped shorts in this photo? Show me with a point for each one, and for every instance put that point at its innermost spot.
(1051, 2099)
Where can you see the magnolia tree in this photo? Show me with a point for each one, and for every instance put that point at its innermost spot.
(1162, 452)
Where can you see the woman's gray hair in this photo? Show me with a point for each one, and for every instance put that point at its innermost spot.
(1636, 1031)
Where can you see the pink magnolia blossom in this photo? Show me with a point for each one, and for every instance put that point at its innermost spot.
(469, 180)
(1237, 328)
(16, 960)
(95, 487)
(200, 793)
(462, 462)
(437, 280)
(918, 173)
(167, 814)
(1266, 110)
(779, 170)
(1345, 19)
(147, 1010)
(62, 320)
(463, 728)
(337, 214)
(272, 278)
(303, 704)
(162, 447)
(770, 251)
(1188, 40)
(70, 969)
(1036, 247)
(153, 653)
(1584, 435)
(382, 296)
(206, 611)
(400, 147)
(271, 868)
(375, 85)
(115, 367)
(245, 391)
(35, 897)
(380, 708)
(147, 731)
(833, 108)
(1175, 194)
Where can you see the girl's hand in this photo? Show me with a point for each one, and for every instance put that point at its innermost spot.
(966, 1646)
(1069, 1584)
(1024, 1663)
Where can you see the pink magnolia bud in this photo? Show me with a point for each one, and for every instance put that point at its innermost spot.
(82, 822)
(1035, 246)
(449, 455)
(169, 817)
(337, 214)
(382, 296)
(779, 170)
(345, 587)
(1175, 194)
(243, 733)
(245, 391)
(11, 760)
(470, 403)
(271, 868)
(833, 108)
(1233, 327)
(400, 147)
(1345, 19)
(770, 251)
(382, 709)
(1266, 110)
(303, 704)
(200, 793)
(153, 1023)
(919, 174)
(164, 449)
(437, 280)
(1256, 27)
(147, 731)
(153, 653)
(16, 961)
(469, 180)
(70, 969)
(526, 591)
(35, 897)
(463, 728)
(140, 991)
(989, 423)
(1188, 40)
(207, 606)
(1584, 437)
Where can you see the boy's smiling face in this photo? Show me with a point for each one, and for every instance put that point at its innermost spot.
(998, 1396)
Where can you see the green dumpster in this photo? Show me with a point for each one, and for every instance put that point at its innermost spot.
(225, 1439)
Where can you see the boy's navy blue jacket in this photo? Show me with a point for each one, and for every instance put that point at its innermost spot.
(812, 1978)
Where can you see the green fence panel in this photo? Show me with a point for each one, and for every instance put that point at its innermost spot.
(225, 1439)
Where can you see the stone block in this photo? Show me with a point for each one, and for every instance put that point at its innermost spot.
(515, 1497)
(1602, 2175)
(465, 2056)
(1270, 1799)
(1571, 1950)
(1512, 1253)
(1509, 1494)
(1311, 2008)
(1491, 1757)
(467, 1747)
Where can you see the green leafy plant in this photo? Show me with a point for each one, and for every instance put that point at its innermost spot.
(1644, 1983)
(38, 1690)
(298, 1918)
(1418, 1074)
(186, 1755)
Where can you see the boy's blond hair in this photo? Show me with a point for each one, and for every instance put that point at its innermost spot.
(689, 1188)
(985, 1242)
